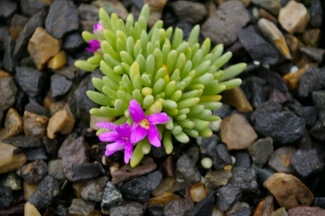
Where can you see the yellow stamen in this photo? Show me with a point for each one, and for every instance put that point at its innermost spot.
(144, 123)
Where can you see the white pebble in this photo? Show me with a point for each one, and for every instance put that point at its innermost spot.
(256, 63)
(255, 13)
(233, 159)
(215, 125)
(206, 163)
(294, 69)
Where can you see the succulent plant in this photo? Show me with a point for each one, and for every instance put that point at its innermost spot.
(161, 71)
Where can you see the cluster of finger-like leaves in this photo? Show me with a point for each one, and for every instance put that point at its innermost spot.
(160, 70)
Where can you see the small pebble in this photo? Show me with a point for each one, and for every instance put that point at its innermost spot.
(198, 192)
(57, 61)
(80, 206)
(206, 163)
(62, 122)
(8, 160)
(280, 159)
(13, 123)
(31, 210)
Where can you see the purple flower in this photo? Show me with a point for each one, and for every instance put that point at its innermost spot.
(98, 27)
(120, 138)
(94, 45)
(146, 125)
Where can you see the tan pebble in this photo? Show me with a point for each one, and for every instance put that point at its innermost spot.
(31, 210)
(48, 100)
(8, 160)
(280, 212)
(236, 97)
(58, 61)
(165, 185)
(236, 132)
(264, 207)
(13, 123)
(293, 79)
(35, 125)
(288, 190)
(294, 17)
(217, 212)
(198, 192)
(42, 46)
(95, 119)
(61, 122)
(29, 189)
(163, 199)
(57, 106)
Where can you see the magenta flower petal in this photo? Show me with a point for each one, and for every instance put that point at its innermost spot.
(114, 147)
(98, 27)
(110, 136)
(106, 125)
(94, 45)
(158, 118)
(138, 134)
(128, 152)
(123, 130)
(136, 111)
(154, 136)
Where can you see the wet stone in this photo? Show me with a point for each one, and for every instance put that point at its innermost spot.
(280, 159)
(13, 123)
(34, 171)
(73, 42)
(227, 196)
(140, 188)
(312, 80)
(30, 80)
(59, 12)
(11, 180)
(244, 178)
(55, 169)
(35, 125)
(6, 197)
(59, 85)
(316, 13)
(273, 6)
(183, 8)
(36, 154)
(31, 7)
(8, 91)
(319, 101)
(131, 208)
(222, 157)
(9, 62)
(178, 207)
(8, 8)
(306, 162)
(47, 191)
(315, 54)
(61, 122)
(94, 189)
(186, 170)
(23, 141)
(261, 150)
(36, 108)
(80, 206)
(306, 210)
(204, 207)
(217, 178)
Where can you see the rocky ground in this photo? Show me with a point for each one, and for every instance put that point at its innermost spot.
(266, 156)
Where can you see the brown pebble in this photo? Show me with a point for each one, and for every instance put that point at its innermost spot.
(166, 185)
(198, 192)
(61, 122)
(57, 106)
(217, 178)
(311, 37)
(13, 123)
(31, 210)
(264, 207)
(169, 166)
(293, 79)
(306, 210)
(266, 15)
(8, 160)
(35, 125)
(163, 199)
(236, 97)
(280, 159)
(58, 61)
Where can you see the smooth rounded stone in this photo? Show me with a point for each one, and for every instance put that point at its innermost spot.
(316, 14)
(244, 178)
(78, 168)
(126, 172)
(280, 159)
(186, 170)
(111, 197)
(37, 20)
(13, 123)
(315, 54)
(306, 162)
(319, 101)
(166, 185)
(236, 97)
(288, 190)
(230, 16)
(59, 12)
(8, 91)
(275, 36)
(204, 207)
(162, 199)
(221, 158)
(283, 127)
(59, 85)
(259, 49)
(31, 7)
(58, 61)
(206, 163)
(94, 189)
(23, 141)
(294, 17)
(311, 37)
(155, 209)
(178, 207)
(9, 63)
(80, 206)
(312, 80)
(208, 145)
(35, 125)
(30, 80)
(198, 192)
(9, 160)
(265, 207)
(6, 197)
(227, 196)
(129, 209)
(293, 79)
(61, 122)
(183, 8)
(31, 210)
(306, 210)
(47, 191)
(261, 150)
(236, 132)
(34, 171)
(273, 6)
(11, 180)
(8, 8)
(139, 189)
(88, 12)
(55, 169)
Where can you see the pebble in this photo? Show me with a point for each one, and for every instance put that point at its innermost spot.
(10, 161)
(280, 159)
(319, 202)
(33, 172)
(8, 91)
(55, 169)
(80, 206)
(23, 141)
(178, 207)
(186, 170)
(30, 80)
(31, 7)
(204, 207)
(206, 163)
(261, 150)
(140, 188)
(294, 17)
(243, 211)
(208, 145)
(318, 131)
(17, 24)
(116, 7)
(84, 104)
(57, 61)
(111, 197)
(312, 80)
(230, 16)
(88, 12)
(294, 45)
(6, 197)
(236, 132)
(9, 62)
(13, 123)
(183, 8)
(193, 153)
(288, 190)
(242, 159)
(59, 85)
(221, 157)
(227, 196)
(11, 180)
(34, 107)
(47, 191)
(266, 107)
(280, 212)
(306, 210)
(293, 79)
(311, 37)
(29, 189)
(162, 199)
(259, 49)
(155, 209)
(198, 192)
(266, 15)
(126, 173)
(273, 6)
(31, 210)
(224, 111)
(35, 125)
(8, 8)
(94, 189)
(62, 122)
(315, 54)
(68, 72)
(72, 42)
(319, 101)
(273, 78)
(36, 154)
(131, 209)
(166, 185)
(306, 162)
(265, 206)
(316, 14)
(236, 97)
(59, 12)
(244, 178)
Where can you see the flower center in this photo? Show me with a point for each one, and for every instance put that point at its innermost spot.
(144, 123)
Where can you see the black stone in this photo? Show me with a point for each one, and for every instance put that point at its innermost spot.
(47, 191)
(33, 172)
(305, 142)
(9, 63)
(266, 107)
(131, 208)
(306, 162)
(21, 101)
(320, 202)
(139, 189)
(6, 197)
(242, 159)
(222, 157)
(7, 8)
(30, 80)
(209, 145)
(258, 48)
(204, 207)
(31, 7)
(84, 104)
(52, 145)
(193, 153)
(309, 113)
(319, 101)
(314, 53)
(273, 79)
(318, 131)
(244, 178)
(284, 127)
(155, 210)
(8, 91)
(278, 96)
(73, 42)
(59, 85)
(111, 197)
(23, 141)
(262, 174)
(316, 14)
(34, 107)
(36, 154)
(224, 111)
(227, 196)
(243, 211)
(261, 150)
(158, 152)
(68, 72)
(312, 80)
(62, 18)
(186, 169)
